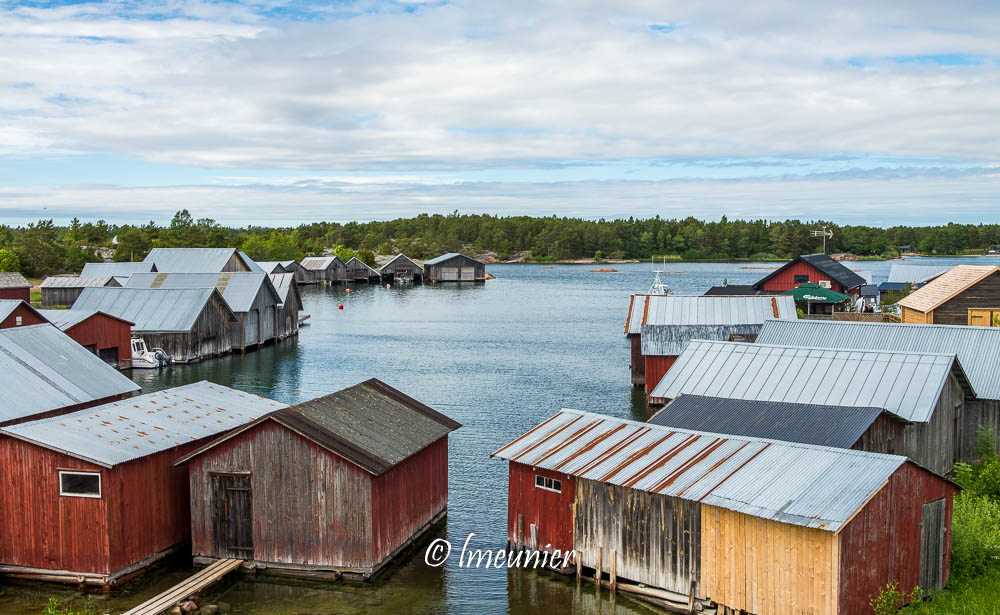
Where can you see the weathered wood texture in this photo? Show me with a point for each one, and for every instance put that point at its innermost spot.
(27, 315)
(785, 279)
(288, 316)
(402, 269)
(762, 566)
(882, 543)
(234, 264)
(936, 444)
(985, 412)
(105, 336)
(457, 269)
(637, 363)
(298, 270)
(209, 337)
(258, 325)
(551, 513)
(655, 368)
(656, 538)
(60, 296)
(983, 294)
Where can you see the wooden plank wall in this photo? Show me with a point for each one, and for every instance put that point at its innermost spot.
(785, 280)
(762, 566)
(550, 512)
(28, 317)
(985, 294)
(103, 332)
(913, 317)
(637, 364)
(977, 412)
(654, 370)
(656, 538)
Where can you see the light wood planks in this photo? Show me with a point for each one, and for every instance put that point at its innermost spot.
(192, 585)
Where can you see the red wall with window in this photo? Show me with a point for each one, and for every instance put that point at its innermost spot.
(784, 279)
(103, 332)
(550, 511)
(27, 315)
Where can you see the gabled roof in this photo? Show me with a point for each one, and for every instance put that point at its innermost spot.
(800, 484)
(977, 348)
(137, 427)
(153, 310)
(70, 282)
(13, 279)
(370, 424)
(401, 257)
(839, 426)
(444, 257)
(915, 274)
(319, 263)
(101, 270)
(907, 384)
(836, 271)
(284, 284)
(357, 262)
(196, 260)
(67, 319)
(271, 267)
(45, 370)
(687, 310)
(946, 286)
(7, 306)
(239, 290)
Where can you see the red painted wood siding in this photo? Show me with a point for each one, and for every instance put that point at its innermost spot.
(309, 505)
(24, 294)
(103, 332)
(552, 512)
(785, 279)
(28, 317)
(38, 527)
(656, 368)
(406, 497)
(882, 542)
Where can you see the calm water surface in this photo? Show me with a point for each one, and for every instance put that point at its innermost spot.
(499, 358)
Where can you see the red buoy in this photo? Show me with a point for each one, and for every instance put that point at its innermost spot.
(340, 307)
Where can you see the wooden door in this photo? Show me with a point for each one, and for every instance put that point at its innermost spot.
(932, 546)
(250, 328)
(468, 274)
(232, 519)
(449, 274)
(982, 317)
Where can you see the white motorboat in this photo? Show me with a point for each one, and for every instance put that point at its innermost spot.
(143, 358)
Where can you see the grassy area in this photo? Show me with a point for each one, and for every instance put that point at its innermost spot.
(972, 596)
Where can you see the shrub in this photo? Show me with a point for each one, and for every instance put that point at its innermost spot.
(890, 599)
(975, 539)
(56, 607)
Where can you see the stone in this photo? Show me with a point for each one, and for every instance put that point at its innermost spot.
(209, 609)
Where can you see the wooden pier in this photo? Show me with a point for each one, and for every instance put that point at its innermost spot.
(190, 586)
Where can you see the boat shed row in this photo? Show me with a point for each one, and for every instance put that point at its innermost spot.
(746, 524)
(659, 327)
(64, 291)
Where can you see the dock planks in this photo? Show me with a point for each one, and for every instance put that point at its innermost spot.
(192, 585)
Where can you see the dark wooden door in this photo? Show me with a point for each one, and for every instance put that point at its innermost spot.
(233, 516)
(932, 546)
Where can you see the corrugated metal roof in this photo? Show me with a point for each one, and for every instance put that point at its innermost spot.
(165, 310)
(44, 369)
(702, 310)
(946, 286)
(977, 348)
(359, 263)
(196, 260)
(401, 257)
(907, 384)
(100, 270)
(318, 263)
(834, 269)
(283, 283)
(444, 257)
(130, 429)
(239, 290)
(839, 426)
(13, 279)
(9, 305)
(800, 484)
(671, 340)
(914, 274)
(270, 267)
(65, 319)
(68, 282)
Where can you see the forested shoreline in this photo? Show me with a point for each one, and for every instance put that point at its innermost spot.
(43, 248)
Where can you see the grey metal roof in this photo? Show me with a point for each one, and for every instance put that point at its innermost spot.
(702, 310)
(13, 279)
(977, 348)
(914, 274)
(44, 369)
(283, 283)
(71, 282)
(907, 384)
(834, 269)
(160, 310)
(401, 257)
(66, 319)
(9, 305)
(318, 263)
(239, 290)
(100, 270)
(195, 260)
(444, 257)
(869, 290)
(358, 262)
(799, 484)
(137, 427)
(671, 340)
(840, 426)
(270, 267)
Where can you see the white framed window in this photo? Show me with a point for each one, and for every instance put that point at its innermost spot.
(551, 484)
(80, 484)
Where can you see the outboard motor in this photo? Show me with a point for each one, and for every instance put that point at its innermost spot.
(162, 358)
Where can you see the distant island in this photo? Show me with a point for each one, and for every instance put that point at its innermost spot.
(44, 248)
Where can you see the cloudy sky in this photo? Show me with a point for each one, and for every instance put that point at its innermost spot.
(282, 112)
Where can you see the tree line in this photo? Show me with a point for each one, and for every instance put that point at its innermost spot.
(43, 248)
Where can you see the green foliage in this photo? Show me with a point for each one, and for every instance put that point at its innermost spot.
(367, 257)
(893, 296)
(985, 447)
(385, 247)
(344, 253)
(975, 535)
(9, 261)
(56, 607)
(976, 596)
(890, 599)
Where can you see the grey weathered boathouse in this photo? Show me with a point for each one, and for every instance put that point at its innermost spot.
(454, 267)
(64, 291)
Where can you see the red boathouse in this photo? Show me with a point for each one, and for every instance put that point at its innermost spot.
(333, 486)
(17, 313)
(91, 497)
(107, 336)
(816, 268)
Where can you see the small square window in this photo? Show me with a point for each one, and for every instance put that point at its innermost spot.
(801, 279)
(18, 321)
(80, 484)
(550, 484)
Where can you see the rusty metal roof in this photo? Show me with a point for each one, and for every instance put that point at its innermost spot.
(800, 484)
(907, 384)
(701, 310)
(126, 430)
(44, 369)
(72, 282)
(319, 263)
(283, 283)
(977, 348)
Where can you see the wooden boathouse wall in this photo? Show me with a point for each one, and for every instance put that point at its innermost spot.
(955, 311)
(209, 337)
(784, 279)
(258, 325)
(26, 313)
(107, 336)
(654, 369)
(549, 512)
(637, 362)
(656, 538)
(985, 412)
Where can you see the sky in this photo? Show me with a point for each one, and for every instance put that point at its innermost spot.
(280, 113)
